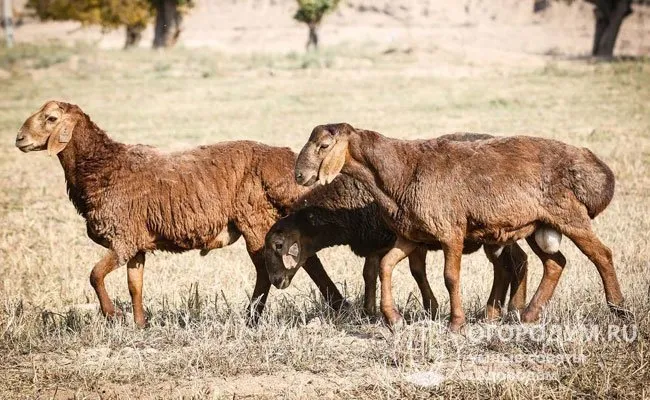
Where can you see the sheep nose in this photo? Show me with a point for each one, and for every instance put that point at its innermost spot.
(298, 176)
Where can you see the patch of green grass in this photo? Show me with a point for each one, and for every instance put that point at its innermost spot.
(37, 57)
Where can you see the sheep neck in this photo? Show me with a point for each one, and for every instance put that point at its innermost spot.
(332, 228)
(378, 163)
(89, 156)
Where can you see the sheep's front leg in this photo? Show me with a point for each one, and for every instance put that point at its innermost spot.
(328, 289)
(107, 264)
(453, 250)
(400, 250)
(418, 265)
(261, 290)
(135, 275)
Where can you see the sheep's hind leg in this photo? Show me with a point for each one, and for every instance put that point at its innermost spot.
(418, 266)
(135, 275)
(328, 289)
(401, 249)
(516, 261)
(500, 282)
(553, 267)
(601, 256)
(453, 250)
(370, 275)
(510, 272)
(107, 264)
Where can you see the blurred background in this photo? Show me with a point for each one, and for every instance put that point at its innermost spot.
(492, 27)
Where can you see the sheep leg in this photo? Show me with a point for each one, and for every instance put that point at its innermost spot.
(328, 289)
(453, 251)
(418, 266)
(401, 249)
(135, 275)
(553, 267)
(370, 275)
(107, 264)
(500, 283)
(510, 272)
(601, 256)
(516, 261)
(261, 290)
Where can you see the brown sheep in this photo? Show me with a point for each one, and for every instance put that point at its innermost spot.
(136, 199)
(493, 191)
(345, 213)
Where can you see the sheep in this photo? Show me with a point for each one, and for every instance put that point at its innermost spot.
(136, 199)
(493, 191)
(345, 213)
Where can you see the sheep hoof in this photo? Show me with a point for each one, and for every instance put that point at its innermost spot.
(548, 239)
(114, 316)
(621, 312)
(529, 316)
(141, 324)
(342, 306)
(456, 326)
(492, 314)
(394, 320)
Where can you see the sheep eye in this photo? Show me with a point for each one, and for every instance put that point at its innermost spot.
(278, 247)
(51, 118)
(324, 146)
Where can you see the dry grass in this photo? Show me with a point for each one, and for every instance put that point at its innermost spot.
(54, 343)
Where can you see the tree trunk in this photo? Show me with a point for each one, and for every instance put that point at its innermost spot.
(609, 18)
(313, 36)
(7, 22)
(540, 5)
(133, 36)
(168, 23)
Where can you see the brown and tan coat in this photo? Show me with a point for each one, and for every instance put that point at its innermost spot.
(493, 191)
(136, 199)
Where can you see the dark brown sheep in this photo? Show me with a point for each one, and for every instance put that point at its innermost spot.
(493, 191)
(345, 213)
(136, 199)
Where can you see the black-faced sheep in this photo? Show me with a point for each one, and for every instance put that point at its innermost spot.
(345, 213)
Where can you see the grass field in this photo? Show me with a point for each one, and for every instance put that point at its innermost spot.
(54, 343)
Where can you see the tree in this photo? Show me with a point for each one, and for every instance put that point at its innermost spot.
(610, 15)
(609, 18)
(134, 15)
(7, 22)
(311, 12)
(169, 19)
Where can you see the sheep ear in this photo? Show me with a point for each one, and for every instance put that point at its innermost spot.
(290, 260)
(333, 162)
(60, 138)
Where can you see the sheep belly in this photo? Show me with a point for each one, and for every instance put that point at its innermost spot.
(226, 237)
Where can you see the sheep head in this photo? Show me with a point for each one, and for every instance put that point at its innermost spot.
(49, 128)
(286, 249)
(324, 155)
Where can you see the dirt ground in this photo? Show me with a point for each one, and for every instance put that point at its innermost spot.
(407, 69)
